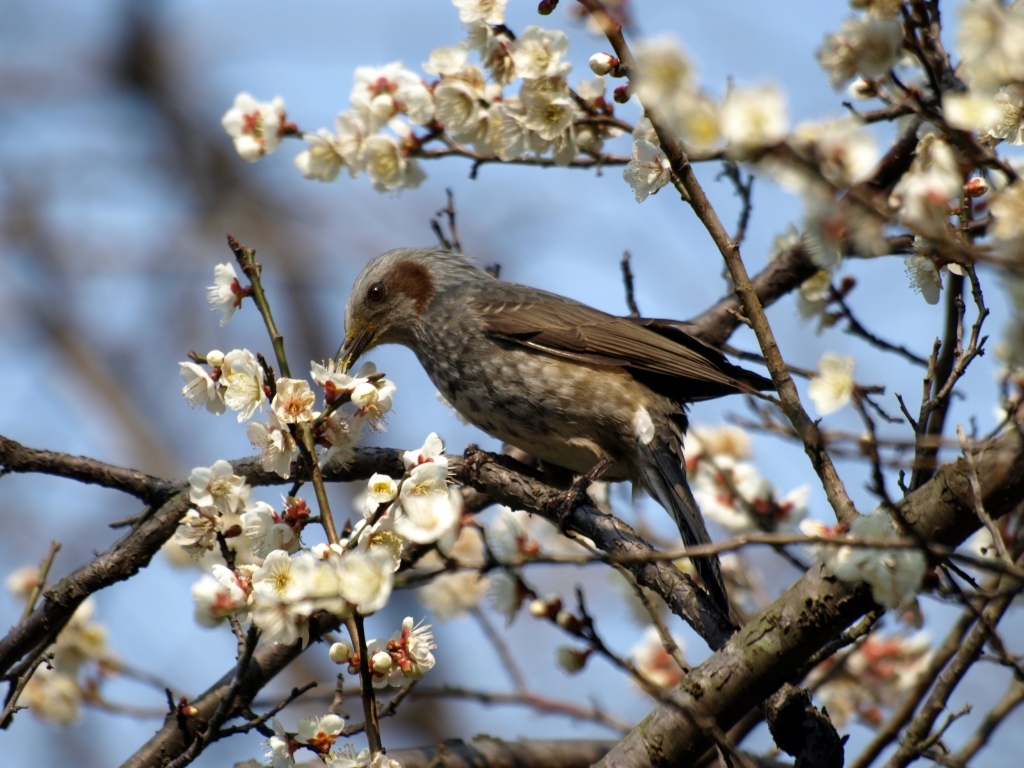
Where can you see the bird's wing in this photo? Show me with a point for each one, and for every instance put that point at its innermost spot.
(566, 328)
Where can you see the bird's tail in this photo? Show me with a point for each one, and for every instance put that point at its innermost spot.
(664, 477)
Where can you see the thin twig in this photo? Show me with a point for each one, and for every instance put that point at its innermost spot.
(37, 588)
(627, 279)
(357, 632)
(18, 687)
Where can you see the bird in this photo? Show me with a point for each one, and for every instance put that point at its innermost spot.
(570, 385)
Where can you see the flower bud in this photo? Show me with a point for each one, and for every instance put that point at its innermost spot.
(215, 358)
(861, 88)
(570, 659)
(546, 7)
(538, 608)
(320, 551)
(567, 621)
(340, 653)
(603, 63)
(622, 94)
(189, 710)
(380, 663)
(976, 187)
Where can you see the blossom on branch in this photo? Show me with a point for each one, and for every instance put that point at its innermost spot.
(226, 293)
(648, 171)
(379, 94)
(243, 377)
(833, 387)
(201, 389)
(276, 444)
(219, 596)
(218, 486)
(293, 403)
(255, 127)
(538, 52)
(328, 153)
(754, 118)
(490, 12)
(866, 45)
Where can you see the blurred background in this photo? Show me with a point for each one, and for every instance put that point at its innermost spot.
(117, 188)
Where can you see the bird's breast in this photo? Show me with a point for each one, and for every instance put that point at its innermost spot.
(565, 413)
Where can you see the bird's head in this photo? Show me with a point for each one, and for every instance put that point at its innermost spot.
(393, 292)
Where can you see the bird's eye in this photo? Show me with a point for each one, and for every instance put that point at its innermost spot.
(376, 293)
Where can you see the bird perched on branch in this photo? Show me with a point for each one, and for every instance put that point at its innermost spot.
(568, 384)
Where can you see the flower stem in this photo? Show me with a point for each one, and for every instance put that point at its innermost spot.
(247, 262)
(358, 635)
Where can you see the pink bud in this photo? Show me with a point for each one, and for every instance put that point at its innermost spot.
(622, 94)
(976, 187)
(546, 7)
(603, 63)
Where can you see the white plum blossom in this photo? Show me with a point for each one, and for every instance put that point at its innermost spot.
(924, 277)
(843, 150)
(410, 650)
(201, 389)
(490, 12)
(243, 377)
(255, 127)
(52, 696)
(1009, 124)
(539, 52)
(923, 193)
(737, 497)
(1007, 208)
(218, 486)
(666, 71)
(832, 388)
(365, 578)
(197, 531)
(447, 61)
(388, 166)
(320, 733)
(219, 596)
(328, 153)
(507, 136)
(293, 403)
(548, 108)
(506, 594)
(751, 118)
(267, 532)
(971, 111)
(461, 102)
(653, 660)
(895, 575)
(276, 444)
(341, 440)
(280, 604)
(226, 293)
(381, 488)
(991, 41)
(866, 45)
(427, 508)
(508, 539)
(453, 594)
(431, 452)
(280, 747)
(371, 407)
(648, 171)
(381, 93)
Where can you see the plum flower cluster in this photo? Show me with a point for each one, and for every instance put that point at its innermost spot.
(403, 659)
(394, 112)
(81, 659)
(731, 491)
(894, 575)
(875, 677)
(319, 735)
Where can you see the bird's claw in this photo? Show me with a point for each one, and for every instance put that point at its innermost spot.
(563, 504)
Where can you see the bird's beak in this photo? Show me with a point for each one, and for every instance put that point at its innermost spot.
(355, 344)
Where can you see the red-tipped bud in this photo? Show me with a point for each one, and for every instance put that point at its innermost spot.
(622, 94)
(603, 63)
(976, 187)
(546, 7)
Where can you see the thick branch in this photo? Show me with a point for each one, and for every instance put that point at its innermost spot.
(17, 458)
(761, 656)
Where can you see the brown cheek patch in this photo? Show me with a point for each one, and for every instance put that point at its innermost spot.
(412, 279)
